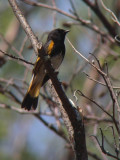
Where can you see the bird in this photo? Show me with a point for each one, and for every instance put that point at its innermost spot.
(55, 48)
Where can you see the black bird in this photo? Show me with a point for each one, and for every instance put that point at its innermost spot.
(55, 48)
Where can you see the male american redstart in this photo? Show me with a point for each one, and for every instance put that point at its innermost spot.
(55, 48)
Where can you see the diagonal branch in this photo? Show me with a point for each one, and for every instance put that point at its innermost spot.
(16, 58)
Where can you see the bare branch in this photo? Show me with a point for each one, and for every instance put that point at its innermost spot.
(16, 58)
(92, 79)
(81, 94)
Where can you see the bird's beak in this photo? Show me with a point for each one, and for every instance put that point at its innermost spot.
(67, 31)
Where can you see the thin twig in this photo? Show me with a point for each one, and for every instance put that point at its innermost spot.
(83, 95)
(80, 54)
(92, 79)
(16, 58)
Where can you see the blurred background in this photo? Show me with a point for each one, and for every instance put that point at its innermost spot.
(23, 136)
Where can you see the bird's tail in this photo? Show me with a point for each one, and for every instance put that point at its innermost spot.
(30, 100)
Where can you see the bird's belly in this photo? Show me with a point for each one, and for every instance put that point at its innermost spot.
(56, 60)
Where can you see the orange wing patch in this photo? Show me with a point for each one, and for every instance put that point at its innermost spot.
(38, 59)
(50, 47)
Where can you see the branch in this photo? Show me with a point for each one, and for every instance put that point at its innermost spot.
(17, 58)
(92, 79)
(98, 120)
(38, 4)
(83, 95)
